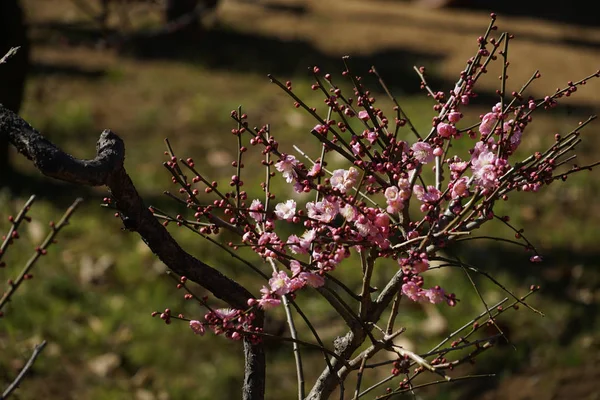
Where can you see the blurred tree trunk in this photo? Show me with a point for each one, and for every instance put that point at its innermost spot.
(184, 16)
(13, 33)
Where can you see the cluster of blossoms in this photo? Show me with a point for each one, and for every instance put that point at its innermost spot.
(226, 321)
(382, 204)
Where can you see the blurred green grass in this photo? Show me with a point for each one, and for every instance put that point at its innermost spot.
(145, 101)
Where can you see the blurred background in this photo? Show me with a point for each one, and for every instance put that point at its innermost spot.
(155, 69)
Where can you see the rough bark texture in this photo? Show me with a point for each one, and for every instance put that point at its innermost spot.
(108, 169)
(13, 33)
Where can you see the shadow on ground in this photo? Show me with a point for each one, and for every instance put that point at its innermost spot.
(580, 12)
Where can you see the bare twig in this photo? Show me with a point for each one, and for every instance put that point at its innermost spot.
(15, 384)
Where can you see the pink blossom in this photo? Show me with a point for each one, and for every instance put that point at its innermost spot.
(294, 243)
(432, 195)
(435, 295)
(421, 265)
(286, 210)
(287, 165)
(254, 207)
(226, 314)
(391, 193)
(268, 238)
(344, 179)
(460, 188)
(267, 303)
(312, 279)
(483, 165)
(446, 130)
(295, 267)
(357, 149)
(197, 327)
(314, 171)
(363, 115)
(365, 227)
(382, 221)
(297, 283)
(413, 291)
(321, 128)
(324, 211)
(248, 236)
(458, 166)
(454, 116)
(515, 134)
(487, 123)
(422, 152)
(348, 212)
(372, 137)
(280, 283)
(394, 202)
(307, 238)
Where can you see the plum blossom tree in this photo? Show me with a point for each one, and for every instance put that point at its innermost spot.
(403, 195)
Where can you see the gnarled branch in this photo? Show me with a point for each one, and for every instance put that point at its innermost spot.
(108, 169)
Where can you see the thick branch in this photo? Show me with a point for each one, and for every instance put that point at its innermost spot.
(108, 169)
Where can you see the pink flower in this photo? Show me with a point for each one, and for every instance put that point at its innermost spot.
(435, 295)
(363, 115)
(312, 279)
(432, 195)
(365, 227)
(446, 130)
(394, 202)
(307, 238)
(268, 238)
(515, 134)
(422, 152)
(321, 128)
(382, 221)
(197, 327)
(280, 283)
(316, 168)
(295, 267)
(391, 193)
(483, 165)
(226, 314)
(348, 212)
(324, 211)
(267, 303)
(372, 137)
(254, 207)
(286, 210)
(454, 116)
(487, 123)
(460, 188)
(458, 166)
(287, 165)
(294, 243)
(413, 291)
(421, 265)
(344, 180)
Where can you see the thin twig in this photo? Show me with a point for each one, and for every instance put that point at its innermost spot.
(15, 384)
